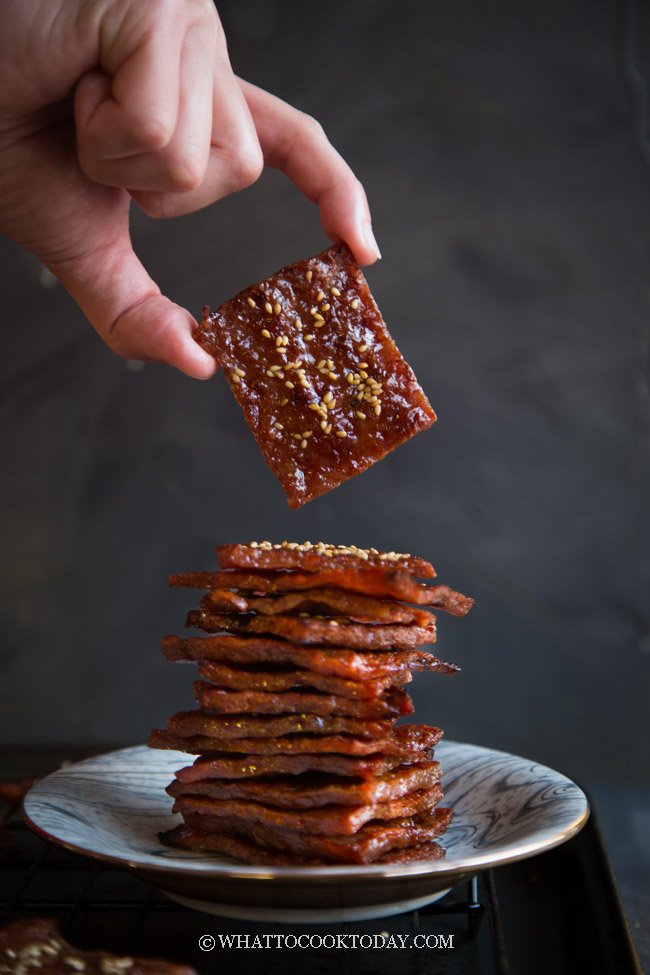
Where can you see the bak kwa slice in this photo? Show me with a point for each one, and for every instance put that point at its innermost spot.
(369, 580)
(322, 385)
(408, 743)
(389, 705)
(319, 632)
(243, 767)
(208, 724)
(308, 791)
(35, 945)
(310, 558)
(373, 843)
(326, 820)
(257, 677)
(324, 660)
(187, 838)
(329, 602)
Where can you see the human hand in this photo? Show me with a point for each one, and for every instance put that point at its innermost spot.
(105, 101)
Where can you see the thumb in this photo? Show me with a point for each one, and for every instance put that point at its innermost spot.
(125, 306)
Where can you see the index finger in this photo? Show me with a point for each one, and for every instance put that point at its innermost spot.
(296, 143)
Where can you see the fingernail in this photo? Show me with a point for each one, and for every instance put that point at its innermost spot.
(370, 240)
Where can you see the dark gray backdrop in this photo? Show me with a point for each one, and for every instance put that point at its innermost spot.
(498, 143)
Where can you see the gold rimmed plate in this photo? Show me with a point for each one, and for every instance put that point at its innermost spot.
(112, 807)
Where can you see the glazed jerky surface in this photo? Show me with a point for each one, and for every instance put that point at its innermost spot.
(206, 723)
(211, 698)
(310, 558)
(324, 660)
(327, 820)
(321, 383)
(398, 841)
(260, 678)
(323, 632)
(327, 602)
(367, 579)
(242, 767)
(34, 946)
(309, 791)
(407, 742)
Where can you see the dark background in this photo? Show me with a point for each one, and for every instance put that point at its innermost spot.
(505, 154)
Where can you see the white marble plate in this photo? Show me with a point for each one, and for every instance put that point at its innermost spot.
(113, 806)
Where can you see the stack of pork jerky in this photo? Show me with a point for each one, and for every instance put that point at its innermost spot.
(299, 760)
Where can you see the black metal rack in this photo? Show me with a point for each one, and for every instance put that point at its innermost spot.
(556, 912)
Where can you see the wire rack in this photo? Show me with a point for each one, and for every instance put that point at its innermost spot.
(556, 912)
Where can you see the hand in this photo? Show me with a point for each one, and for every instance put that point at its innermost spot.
(105, 101)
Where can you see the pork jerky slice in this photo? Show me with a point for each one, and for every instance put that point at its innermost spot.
(244, 767)
(367, 579)
(408, 742)
(339, 396)
(389, 705)
(309, 558)
(211, 725)
(329, 602)
(191, 838)
(311, 790)
(256, 678)
(318, 632)
(336, 661)
(327, 820)
(34, 945)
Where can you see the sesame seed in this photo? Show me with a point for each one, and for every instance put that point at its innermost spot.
(362, 348)
(328, 428)
(268, 308)
(240, 372)
(355, 303)
(363, 365)
(235, 378)
(297, 323)
(325, 307)
(278, 425)
(309, 275)
(313, 406)
(251, 302)
(320, 296)
(277, 308)
(359, 395)
(341, 433)
(319, 318)
(307, 433)
(285, 339)
(312, 311)
(350, 378)
(288, 384)
(361, 415)
(331, 404)
(328, 396)
(336, 292)
(278, 341)
(309, 338)
(303, 382)
(296, 436)
(333, 375)
(321, 364)
(276, 368)
(330, 364)
(323, 424)
(266, 333)
(303, 444)
(283, 402)
(270, 374)
(363, 374)
(378, 409)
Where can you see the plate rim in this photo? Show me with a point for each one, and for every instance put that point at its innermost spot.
(322, 874)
